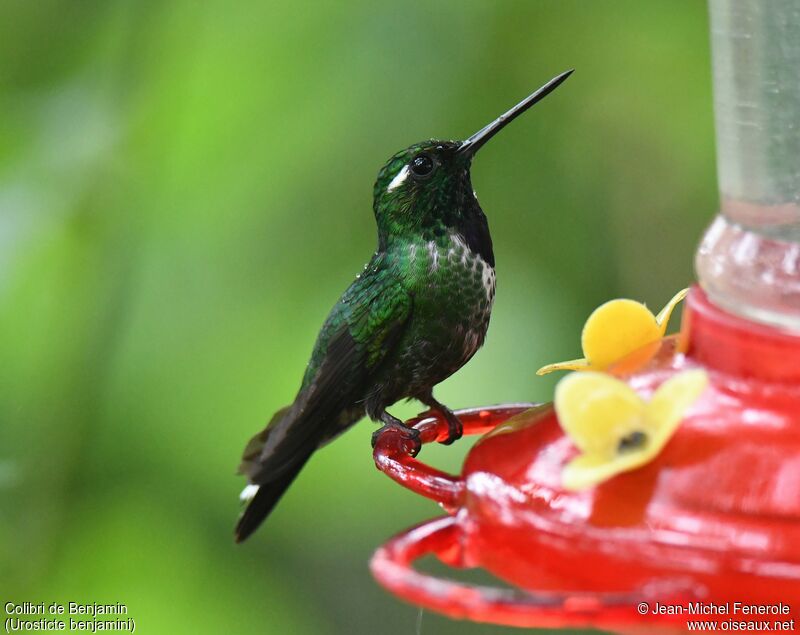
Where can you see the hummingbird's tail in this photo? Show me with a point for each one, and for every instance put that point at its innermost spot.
(264, 493)
(264, 501)
(322, 410)
(272, 460)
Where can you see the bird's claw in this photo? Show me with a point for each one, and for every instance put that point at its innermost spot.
(455, 430)
(408, 434)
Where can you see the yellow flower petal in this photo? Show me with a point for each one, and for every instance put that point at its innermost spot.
(600, 413)
(671, 400)
(663, 316)
(588, 470)
(616, 329)
(596, 411)
(573, 364)
(634, 361)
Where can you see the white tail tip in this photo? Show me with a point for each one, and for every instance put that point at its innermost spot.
(248, 493)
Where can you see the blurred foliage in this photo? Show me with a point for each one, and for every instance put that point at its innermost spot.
(185, 191)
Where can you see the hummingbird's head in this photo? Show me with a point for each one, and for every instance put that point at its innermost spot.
(425, 190)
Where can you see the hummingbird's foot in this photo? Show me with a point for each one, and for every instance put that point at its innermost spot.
(393, 423)
(455, 429)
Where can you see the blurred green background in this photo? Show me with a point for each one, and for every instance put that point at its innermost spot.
(185, 189)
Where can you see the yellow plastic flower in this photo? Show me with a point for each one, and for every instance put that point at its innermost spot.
(615, 330)
(613, 427)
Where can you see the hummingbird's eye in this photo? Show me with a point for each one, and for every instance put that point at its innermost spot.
(421, 165)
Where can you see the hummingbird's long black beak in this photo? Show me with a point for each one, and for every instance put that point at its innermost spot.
(476, 141)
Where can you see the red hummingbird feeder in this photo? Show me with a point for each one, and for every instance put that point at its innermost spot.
(706, 527)
(715, 518)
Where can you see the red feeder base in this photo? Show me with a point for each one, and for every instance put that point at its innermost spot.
(713, 520)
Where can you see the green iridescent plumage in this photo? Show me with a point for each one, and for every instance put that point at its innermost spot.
(416, 314)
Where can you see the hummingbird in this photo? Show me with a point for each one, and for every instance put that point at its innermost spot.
(414, 316)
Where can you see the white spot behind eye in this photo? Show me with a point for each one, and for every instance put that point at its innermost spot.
(397, 181)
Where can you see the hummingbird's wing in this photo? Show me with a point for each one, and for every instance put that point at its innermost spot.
(357, 337)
